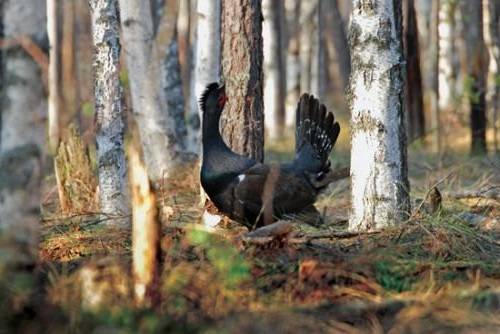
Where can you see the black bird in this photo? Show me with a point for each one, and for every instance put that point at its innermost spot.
(256, 194)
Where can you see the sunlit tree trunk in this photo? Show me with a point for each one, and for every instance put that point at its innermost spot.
(413, 87)
(54, 100)
(292, 60)
(274, 85)
(380, 188)
(144, 54)
(184, 26)
(22, 136)
(243, 118)
(109, 109)
(477, 68)
(207, 63)
(447, 54)
(491, 10)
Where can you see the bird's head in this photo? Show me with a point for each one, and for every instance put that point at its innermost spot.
(213, 99)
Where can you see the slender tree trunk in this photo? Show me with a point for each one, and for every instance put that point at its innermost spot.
(447, 54)
(434, 77)
(243, 119)
(207, 63)
(274, 85)
(54, 100)
(338, 37)
(318, 73)
(292, 60)
(184, 25)
(492, 38)
(70, 93)
(146, 233)
(477, 67)
(380, 188)
(108, 108)
(308, 21)
(413, 87)
(21, 145)
(144, 54)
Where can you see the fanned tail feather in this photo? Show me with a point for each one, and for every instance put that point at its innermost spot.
(316, 132)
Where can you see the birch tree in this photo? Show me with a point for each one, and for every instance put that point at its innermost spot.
(54, 100)
(274, 83)
(318, 65)
(434, 77)
(380, 188)
(108, 109)
(243, 118)
(308, 33)
(292, 13)
(476, 60)
(22, 136)
(447, 53)
(163, 149)
(491, 10)
(207, 63)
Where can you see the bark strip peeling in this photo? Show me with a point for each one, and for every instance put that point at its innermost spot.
(378, 156)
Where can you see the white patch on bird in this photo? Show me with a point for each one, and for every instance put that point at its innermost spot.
(241, 177)
(210, 220)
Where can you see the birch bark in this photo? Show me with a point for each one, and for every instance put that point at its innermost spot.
(292, 10)
(207, 63)
(447, 53)
(109, 110)
(163, 149)
(54, 99)
(273, 69)
(22, 136)
(380, 188)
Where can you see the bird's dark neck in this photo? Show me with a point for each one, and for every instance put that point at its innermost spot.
(211, 137)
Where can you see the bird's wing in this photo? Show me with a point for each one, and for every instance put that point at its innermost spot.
(280, 191)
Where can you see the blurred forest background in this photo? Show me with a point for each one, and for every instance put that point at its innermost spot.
(94, 105)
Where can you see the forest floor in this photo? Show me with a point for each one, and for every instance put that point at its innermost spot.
(438, 272)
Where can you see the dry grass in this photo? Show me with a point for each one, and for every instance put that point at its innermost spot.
(438, 272)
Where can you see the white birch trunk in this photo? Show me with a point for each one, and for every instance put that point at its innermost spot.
(317, 85)
(53, 76)
(109, 110)
(161, 145)
(21, 135)
(447, 53)
(207, 63)
(380, 189)
(273, 70)
(292, 8)
(491, 17)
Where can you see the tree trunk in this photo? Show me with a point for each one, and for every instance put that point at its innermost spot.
(146, 233)
(380, 188)
(292, 60)
(476, 60)
(413, 87)
(274, 84)
(108, 109)
(243, 118)
(492, 38)
(308, 21)
(22, 136)
(70, 89)
(54, 100)
(184, 25)
(447, 54)
(144, 53)
(318, 72)
(336, 31)
(207, 63)
(434, 77)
